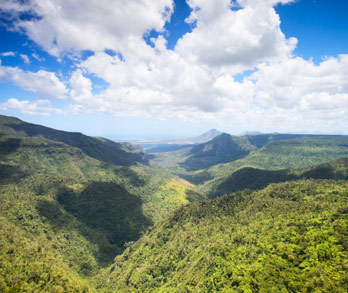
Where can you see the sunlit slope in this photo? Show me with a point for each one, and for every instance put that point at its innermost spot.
(287, 237)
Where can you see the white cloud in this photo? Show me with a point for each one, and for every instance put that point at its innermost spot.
(43, 83)
(81, 88)
(297, 83)
(65, 25)
(243, 37)
(39, 107)
(37, 57)
(6, 54)
(197, 80)
(25, 58)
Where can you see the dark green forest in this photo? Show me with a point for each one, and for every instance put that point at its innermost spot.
(86, 214)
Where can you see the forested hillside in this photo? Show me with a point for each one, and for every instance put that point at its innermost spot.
(289, 237)
(223, 148)
(99, 148)
(68, 214)
(252, 178)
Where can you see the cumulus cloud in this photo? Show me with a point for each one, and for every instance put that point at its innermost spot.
(225, 37)
(81, 88)
(197, 81)
(43, 83)
(297, 83)
(39, 107)
(64, 25)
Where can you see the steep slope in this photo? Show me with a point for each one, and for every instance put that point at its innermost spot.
(223, 148)
(252, 178)
(37, 154)
(71, 214)
(289, 237)
(205, 137)
(291, 153)
(99, 148)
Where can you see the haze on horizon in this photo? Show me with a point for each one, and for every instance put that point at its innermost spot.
(160, 69)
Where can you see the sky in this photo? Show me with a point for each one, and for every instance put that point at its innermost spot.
(150, 69)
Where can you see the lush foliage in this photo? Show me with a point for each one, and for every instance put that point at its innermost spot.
(288, 237)
(252, 178)
(67, 214)
(223, 148)
(99, 148)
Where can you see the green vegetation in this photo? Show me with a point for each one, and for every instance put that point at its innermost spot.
(70, 204)
(292, 153)
(251, 178)
(99, 148)
(223, 148)
(289, 237)
(69, 214)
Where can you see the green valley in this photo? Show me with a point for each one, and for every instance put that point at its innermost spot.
(86, 214)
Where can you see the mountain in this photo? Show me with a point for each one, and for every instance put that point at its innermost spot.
(174, 144)
(101, 149)
(289, 153)
(209, 135)
(260, 140)
(206, 166)
(37, 149)
(70, 203)
(76, 219)
(254, 179)
(289, 237)
(223, 148)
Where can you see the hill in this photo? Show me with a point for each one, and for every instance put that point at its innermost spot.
(290, 153)
(67, 210)
(223, 148)
(205, 137)
(254, 179)
(67, 214)
(98, 148)
(289, 237)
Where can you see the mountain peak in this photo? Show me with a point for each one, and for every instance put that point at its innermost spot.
(209, 135)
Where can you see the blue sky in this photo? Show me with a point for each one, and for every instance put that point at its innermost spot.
(175, 69)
